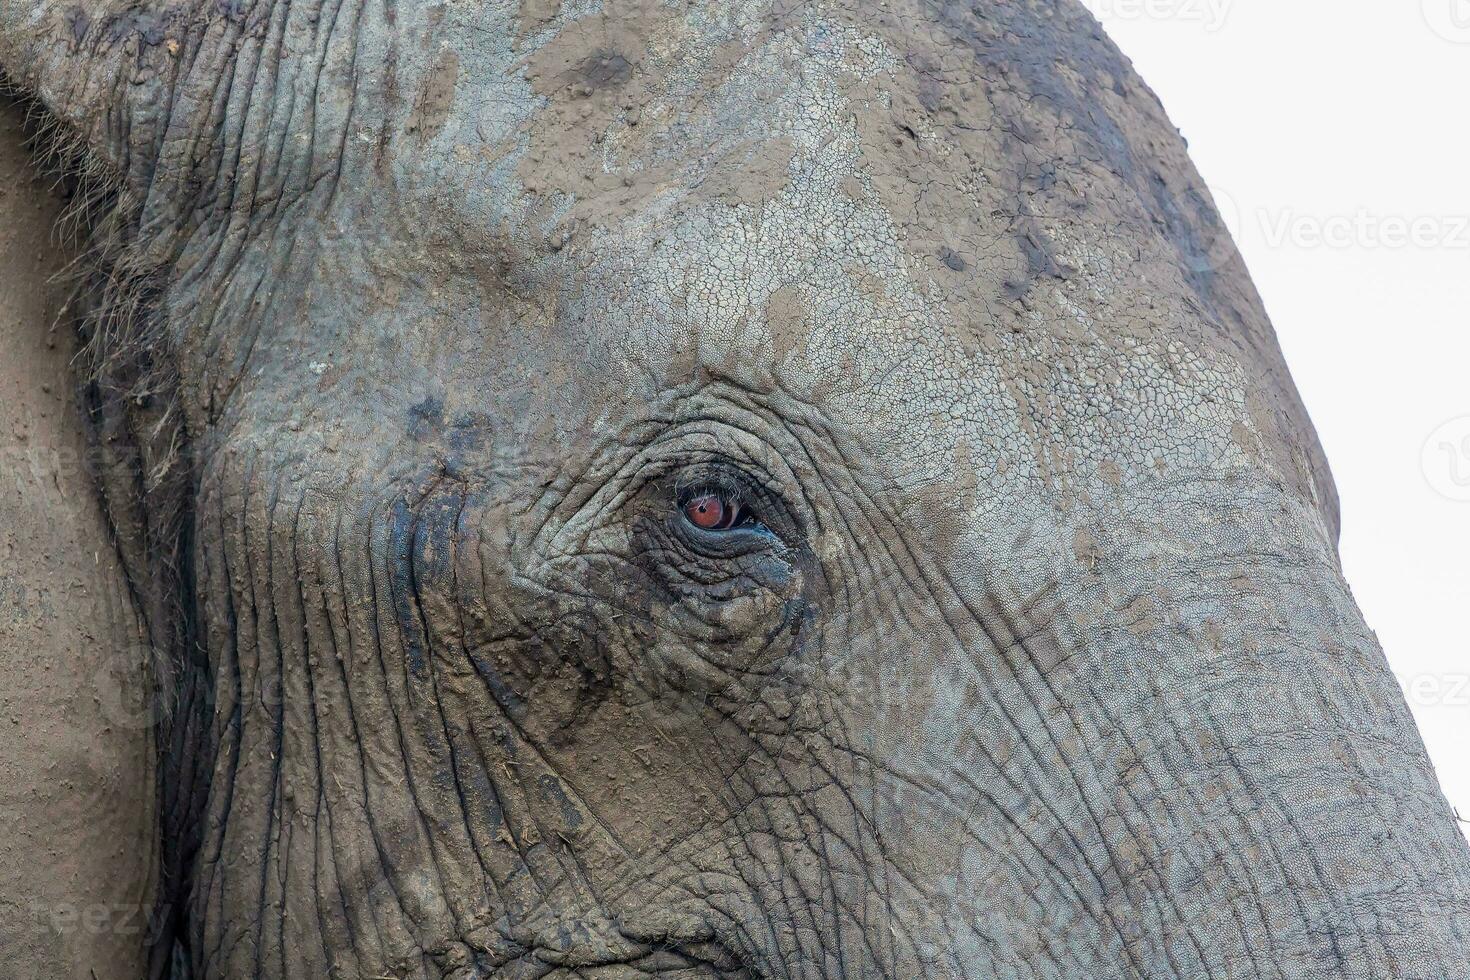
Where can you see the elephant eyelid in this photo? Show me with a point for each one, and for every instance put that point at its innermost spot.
(716, 511)
(718, 501)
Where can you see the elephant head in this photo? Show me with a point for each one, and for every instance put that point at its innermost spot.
(720, 489)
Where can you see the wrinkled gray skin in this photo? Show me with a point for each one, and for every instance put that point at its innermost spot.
(1043, 664)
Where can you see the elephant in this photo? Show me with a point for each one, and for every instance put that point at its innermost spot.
(711, 488)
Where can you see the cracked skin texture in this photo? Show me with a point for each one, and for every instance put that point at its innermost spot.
(1046, 667)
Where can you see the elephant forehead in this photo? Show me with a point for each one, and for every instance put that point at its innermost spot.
(902, 220)
(804, 199)
(520, 135)
(835, 319)
(597, 116)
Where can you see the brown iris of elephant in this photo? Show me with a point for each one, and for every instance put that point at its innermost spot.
(715, 489)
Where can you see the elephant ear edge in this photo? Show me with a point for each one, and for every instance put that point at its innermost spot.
(104, 80)
(101, 78)
(103, 72)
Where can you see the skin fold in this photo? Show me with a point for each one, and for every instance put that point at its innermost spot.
(422, 325)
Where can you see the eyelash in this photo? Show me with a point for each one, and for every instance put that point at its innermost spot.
(732, 487)
(715, 510)
(765, 517)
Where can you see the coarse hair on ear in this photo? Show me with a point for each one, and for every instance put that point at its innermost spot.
(95, 83)
(127, 379)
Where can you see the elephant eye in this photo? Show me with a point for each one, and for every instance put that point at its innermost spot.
(714, 511)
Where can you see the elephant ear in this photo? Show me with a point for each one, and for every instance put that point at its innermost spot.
(106, 77)
(103, 71)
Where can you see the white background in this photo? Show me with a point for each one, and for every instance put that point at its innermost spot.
(1335, 135)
